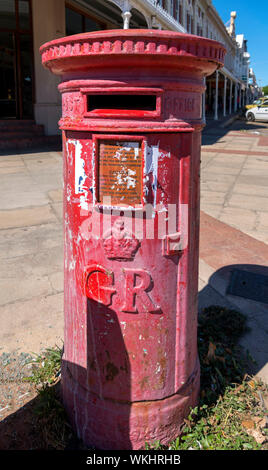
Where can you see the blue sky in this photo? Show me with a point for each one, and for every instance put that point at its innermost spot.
(252, 21)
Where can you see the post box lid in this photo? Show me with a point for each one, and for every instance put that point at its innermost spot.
(138, 47)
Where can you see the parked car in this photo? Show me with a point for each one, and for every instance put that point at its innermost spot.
(256, 102)
(259, 112)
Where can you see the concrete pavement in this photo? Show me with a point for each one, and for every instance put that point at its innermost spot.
(234, 232)
(234, 179)
(31, 283)
(234, 225)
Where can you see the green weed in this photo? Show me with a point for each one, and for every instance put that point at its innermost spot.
(46, 367)
(49, 411)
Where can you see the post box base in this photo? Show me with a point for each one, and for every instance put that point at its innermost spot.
(107, 424)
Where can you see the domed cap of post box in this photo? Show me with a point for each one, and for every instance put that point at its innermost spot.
(137, 48)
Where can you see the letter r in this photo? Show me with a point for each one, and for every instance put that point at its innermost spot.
(134, 290)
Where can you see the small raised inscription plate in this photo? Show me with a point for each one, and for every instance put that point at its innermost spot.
(120, 172)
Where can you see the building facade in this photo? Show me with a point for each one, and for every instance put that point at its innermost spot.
(28, 91)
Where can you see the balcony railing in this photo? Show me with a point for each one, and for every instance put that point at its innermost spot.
(165, 14)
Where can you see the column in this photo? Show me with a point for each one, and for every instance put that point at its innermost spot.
(204, 102)
(240, 97)
(184, 11)
(216, 96)
(48, 23)
(235, 98)
(224, 96)
(210, 91)
(230, 97)
(194, 18)
(126, 15)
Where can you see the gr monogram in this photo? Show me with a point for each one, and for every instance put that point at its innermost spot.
(100, 286)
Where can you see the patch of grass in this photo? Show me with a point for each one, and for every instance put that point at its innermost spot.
(46, 367)
(51, 418)
(220, 427)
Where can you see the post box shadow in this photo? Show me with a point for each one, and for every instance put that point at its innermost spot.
(97, 397)
(243, 287)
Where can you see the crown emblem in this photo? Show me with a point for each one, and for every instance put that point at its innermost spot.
(119, 243)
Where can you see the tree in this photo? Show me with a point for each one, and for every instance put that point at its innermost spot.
(265, 90)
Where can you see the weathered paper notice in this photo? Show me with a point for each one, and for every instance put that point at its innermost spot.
(120, 172)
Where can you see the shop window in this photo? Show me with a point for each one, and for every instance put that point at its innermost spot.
(91, 25)
(74, 22)
(16, 71)
(8, 14)
(163, 4)
(175, 12)
(24, 14)
(180, 13)
(199, 31)
(188, 23)
(77, 22)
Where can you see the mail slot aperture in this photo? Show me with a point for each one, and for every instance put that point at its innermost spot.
(146, 103)
(121, 102)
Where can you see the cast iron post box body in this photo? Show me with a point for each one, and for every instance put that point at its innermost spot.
(131, 124)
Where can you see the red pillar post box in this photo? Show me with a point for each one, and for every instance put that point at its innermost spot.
(131, 124)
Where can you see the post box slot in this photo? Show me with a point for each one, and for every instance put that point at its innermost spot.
(128, 104)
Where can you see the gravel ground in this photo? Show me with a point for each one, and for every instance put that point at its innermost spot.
(16, 400)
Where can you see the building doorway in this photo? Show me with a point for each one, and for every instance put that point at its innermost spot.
(16, 60)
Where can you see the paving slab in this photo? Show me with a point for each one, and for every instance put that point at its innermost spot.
(247, 218)
(253, 202)
(26, 217)
(251, 189)
(22, 241)
(32, 325)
